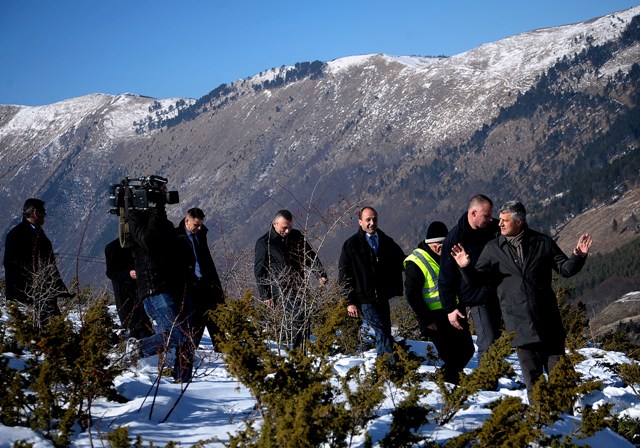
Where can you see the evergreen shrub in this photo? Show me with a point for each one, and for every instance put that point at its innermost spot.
(68, 368)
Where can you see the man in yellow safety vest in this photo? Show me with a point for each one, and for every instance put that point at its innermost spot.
(422, 266)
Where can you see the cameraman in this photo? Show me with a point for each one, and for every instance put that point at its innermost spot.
(121, 272)
(159, 277)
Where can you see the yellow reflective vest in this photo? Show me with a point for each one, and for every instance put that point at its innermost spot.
(430, 269)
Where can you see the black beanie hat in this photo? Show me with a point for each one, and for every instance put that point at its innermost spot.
(436, 232)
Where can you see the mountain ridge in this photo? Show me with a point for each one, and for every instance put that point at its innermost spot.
(397, 132)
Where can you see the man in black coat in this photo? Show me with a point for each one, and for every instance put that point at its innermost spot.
(31, 274)
(121, 272)
(202, 282)
(474, 230)
(520, 262)
(283, 261)
(160, 280)
(370, 271)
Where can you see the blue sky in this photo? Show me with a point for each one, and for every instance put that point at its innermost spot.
(54, 50)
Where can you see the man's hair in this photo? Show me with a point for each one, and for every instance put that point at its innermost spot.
(364, 208)
(516, 209)
(286, 214)
(480, 199)
(32, 205)
(195, 213)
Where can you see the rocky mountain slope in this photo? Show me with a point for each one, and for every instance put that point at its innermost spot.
(625, 310)
(612, 225)
(538, 116)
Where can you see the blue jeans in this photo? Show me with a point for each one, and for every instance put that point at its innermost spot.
(378, 316)
(168, 334)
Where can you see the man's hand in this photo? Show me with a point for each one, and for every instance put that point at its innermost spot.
(268, 302)
(323, 281)
(352, 311)
(460, 255)
(132, 274)
(584, 243)
(453, 318)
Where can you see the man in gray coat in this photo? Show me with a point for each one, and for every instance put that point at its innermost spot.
(520, 262)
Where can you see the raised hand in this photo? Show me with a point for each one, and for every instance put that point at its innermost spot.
(460, 255)
(583, 245)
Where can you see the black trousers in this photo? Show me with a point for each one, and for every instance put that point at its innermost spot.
(197, 304)
(537, 359)
(131, 311)
(455, 347)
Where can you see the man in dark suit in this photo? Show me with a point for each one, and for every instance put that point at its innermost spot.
(475, 228)
(370, 271)
(31, 274)
(203, 287)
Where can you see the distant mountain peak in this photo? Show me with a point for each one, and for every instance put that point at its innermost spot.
(415, 136)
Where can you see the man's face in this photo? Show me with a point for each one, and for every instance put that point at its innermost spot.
(193, 225)
(368, 221)
(282, 226)
(38, 217)
(508, 225)
(436, 247)
(480, 216)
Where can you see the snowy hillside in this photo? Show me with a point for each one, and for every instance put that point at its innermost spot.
(215, 404)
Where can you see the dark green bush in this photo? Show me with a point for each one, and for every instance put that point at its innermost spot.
(492, 367)
(69, 369)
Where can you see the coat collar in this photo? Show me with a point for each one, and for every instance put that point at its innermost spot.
(203, 230)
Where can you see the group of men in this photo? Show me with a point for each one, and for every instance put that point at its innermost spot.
(164, 280)
(498, 270)
(165, 285)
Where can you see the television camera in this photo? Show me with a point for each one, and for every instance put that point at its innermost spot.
(143, 193)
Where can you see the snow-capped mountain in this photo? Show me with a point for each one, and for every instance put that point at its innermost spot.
(413, 136)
